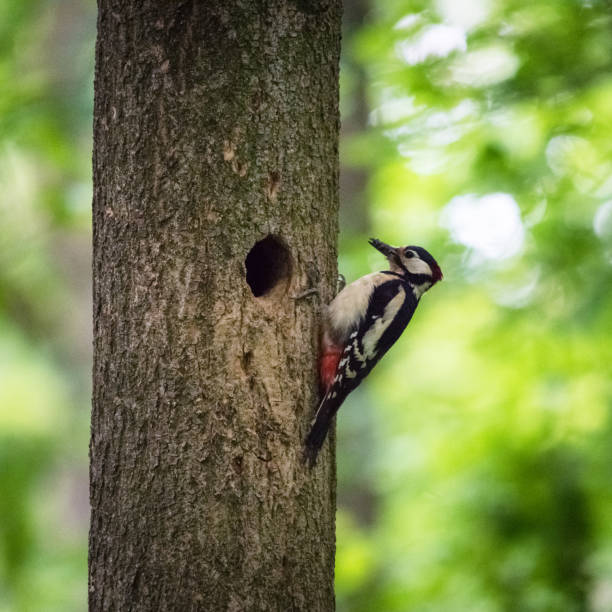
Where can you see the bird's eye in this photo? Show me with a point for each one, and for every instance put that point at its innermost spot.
(408, 254)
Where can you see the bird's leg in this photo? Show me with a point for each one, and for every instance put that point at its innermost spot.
(340, 284)
(305, 294)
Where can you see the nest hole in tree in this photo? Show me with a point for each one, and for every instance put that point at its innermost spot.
(268, 266)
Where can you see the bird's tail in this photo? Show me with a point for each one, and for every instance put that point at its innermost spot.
(318, 431)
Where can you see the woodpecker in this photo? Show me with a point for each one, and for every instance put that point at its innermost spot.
(362, 323)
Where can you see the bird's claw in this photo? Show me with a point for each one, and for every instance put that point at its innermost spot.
(340, 283)
(304, 294)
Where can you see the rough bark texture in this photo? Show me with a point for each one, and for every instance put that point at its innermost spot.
(215, 127)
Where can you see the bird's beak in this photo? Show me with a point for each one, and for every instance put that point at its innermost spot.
(385, 249)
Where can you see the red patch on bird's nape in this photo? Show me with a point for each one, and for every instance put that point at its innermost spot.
(437, 273)
(328, 366)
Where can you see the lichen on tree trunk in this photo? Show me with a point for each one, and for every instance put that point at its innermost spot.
(215, 128)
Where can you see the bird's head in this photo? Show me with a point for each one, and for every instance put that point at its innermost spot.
(412, 262)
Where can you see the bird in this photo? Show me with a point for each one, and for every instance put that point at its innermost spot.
(362, 323)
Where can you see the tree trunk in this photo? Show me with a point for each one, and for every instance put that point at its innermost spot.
(215, 199)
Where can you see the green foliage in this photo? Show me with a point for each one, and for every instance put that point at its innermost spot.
(490, 146)
(45, 196)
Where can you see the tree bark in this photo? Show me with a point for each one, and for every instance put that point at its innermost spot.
(215, 200)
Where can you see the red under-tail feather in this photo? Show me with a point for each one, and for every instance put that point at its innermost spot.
(328, 366)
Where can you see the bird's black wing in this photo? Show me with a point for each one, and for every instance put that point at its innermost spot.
(389, 311)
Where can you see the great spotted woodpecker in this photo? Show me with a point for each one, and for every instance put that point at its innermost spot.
(361, 324)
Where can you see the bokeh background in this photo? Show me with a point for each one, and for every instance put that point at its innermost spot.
(475, 465)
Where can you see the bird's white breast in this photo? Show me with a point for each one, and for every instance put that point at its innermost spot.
(351, 304)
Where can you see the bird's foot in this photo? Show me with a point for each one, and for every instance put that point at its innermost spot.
(340, 283)
(305, 294)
